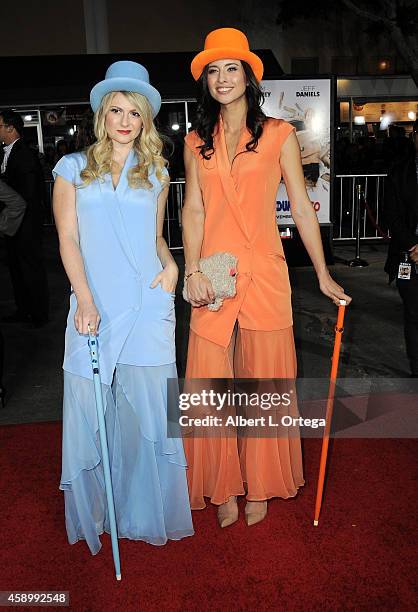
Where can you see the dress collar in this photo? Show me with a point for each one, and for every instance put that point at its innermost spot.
(220, 141)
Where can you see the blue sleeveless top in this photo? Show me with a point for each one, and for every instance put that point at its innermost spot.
(117, 238)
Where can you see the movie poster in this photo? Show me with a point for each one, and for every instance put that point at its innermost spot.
(306, 104)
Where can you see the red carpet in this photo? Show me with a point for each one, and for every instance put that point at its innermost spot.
(361, 557)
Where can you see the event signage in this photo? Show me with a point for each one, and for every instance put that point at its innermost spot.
(306, 104)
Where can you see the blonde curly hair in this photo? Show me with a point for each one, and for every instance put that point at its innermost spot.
(147, 146)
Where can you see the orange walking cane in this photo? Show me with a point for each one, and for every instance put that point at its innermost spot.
(330, 407)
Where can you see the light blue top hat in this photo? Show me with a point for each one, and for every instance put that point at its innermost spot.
(126, 76)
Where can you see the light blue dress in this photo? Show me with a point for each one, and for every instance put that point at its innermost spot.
(117, 236)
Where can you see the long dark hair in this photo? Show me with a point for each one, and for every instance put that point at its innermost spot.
(208, 112)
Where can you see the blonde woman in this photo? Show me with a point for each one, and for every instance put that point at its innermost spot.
(109, 208)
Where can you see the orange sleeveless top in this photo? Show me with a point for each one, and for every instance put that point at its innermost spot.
(240, 217)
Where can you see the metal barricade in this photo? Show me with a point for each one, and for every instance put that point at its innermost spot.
(172, 221)
(48, 215)
(346, 187)
(372, 187)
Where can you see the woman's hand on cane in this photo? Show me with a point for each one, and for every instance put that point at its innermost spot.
(199, 290)
(87, 316)
(332, 289)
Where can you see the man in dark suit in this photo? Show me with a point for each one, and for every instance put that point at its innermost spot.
(401, 213)
(22, 171)
(12, 210)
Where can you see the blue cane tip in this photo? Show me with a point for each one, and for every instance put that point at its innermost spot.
(118, 576)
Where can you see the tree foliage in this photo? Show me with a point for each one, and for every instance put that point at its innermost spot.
(396, 18)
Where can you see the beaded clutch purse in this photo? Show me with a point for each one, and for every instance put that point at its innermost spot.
(221, 270)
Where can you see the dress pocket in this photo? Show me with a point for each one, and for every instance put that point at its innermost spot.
(171, 294)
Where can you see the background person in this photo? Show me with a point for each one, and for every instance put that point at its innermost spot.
(401, 214)
(12, 210)
(234, 161)
(22, 171)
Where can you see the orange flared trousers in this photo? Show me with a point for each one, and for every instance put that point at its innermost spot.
(218, 467)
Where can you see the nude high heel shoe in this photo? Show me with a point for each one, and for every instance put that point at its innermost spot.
(255, 512)
(228, 512)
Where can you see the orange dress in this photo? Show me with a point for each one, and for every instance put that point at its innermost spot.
(240, 217)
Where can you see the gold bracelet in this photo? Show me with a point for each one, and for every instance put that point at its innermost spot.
(187, 276)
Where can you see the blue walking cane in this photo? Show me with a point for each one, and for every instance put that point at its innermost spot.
(105, 453)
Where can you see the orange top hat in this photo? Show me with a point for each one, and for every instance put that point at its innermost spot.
(226, 43)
